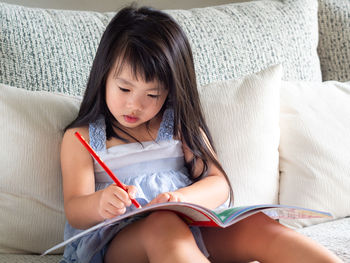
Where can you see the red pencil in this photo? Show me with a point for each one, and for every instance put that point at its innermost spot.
(104, 166)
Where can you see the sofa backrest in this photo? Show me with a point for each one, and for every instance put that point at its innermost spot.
(53, 49)
(334, 39)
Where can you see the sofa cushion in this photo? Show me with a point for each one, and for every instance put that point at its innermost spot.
(334, 235)
(16, 258)
(31, 202)
(314, 148)
(45, 49)
(334, 39)
(234, 40)
(243, 116)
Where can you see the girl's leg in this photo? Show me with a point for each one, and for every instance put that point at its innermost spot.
(160, 237)
(261, 238)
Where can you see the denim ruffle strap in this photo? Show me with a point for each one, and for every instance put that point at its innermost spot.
(97, 134)
(166, 128)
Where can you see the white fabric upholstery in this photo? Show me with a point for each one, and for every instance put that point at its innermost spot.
(314, 147)
(243, 116)
(31, 202)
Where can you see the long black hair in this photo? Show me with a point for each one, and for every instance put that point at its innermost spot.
(156, 48)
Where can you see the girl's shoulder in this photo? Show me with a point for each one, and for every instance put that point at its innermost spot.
(70, 143)
(75, 159)
(69, 133)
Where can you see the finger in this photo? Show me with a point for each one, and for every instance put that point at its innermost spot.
(173, 198)
(131, 191)
(107, 215)
(162, 198)
(113, 208)
(122, 195)
(158, 199)
(112, 211)
(116, 202)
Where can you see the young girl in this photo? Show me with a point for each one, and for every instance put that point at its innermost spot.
(141, 113)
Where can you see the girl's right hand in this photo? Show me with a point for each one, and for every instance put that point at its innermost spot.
(113, 200)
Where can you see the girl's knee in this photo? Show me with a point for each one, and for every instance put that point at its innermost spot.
(264, 231)
(259, 229)
(162, 223)
(266, 227)
(166, 235)
(262, 221)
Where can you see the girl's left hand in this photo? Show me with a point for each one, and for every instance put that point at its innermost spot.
(168, 197)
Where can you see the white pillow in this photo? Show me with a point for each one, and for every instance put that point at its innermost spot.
(243, 116)
(315, 148)
(31, 203)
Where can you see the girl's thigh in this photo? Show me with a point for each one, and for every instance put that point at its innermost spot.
(159, 236)
(126, 245)
(244, 241)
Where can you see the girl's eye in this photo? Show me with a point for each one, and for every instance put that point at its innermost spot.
(124, 90)
(153, 96)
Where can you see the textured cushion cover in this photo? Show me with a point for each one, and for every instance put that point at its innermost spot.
(314, 147)
(334, 235)
(243, 116)
(31, 202)
(13, 258)
(43, 49)
(334, 43)
(237, 39)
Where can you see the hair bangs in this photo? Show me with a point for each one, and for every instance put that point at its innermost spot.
(144, 63)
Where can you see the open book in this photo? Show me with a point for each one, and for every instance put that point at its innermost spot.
(200, 216)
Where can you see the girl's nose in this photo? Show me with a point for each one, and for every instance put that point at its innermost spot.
(135, 103)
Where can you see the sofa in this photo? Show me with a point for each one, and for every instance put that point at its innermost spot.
(273, 77)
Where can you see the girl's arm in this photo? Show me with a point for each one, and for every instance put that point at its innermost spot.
(83, 206)
(210, 192)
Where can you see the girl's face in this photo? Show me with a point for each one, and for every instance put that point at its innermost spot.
(132, 101)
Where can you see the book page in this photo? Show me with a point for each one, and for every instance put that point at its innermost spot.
(292, 213)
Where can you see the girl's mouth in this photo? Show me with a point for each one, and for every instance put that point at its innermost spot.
(130, 119)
